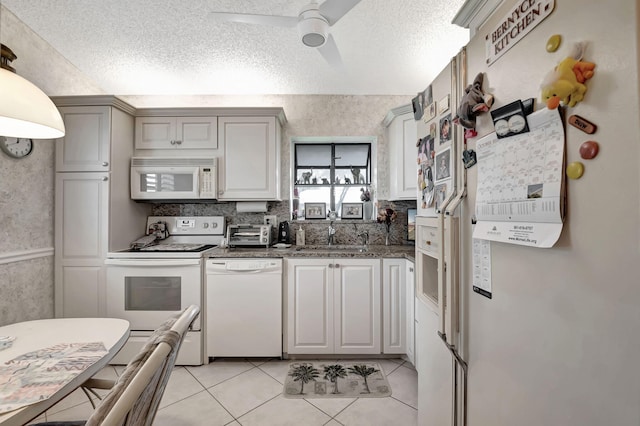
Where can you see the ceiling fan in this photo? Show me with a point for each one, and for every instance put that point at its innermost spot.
(313, 24)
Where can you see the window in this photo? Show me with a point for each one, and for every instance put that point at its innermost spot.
(330, 173)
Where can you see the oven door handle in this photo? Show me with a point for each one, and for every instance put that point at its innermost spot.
(152, 262)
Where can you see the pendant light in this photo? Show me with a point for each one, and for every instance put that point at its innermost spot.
(25, 110)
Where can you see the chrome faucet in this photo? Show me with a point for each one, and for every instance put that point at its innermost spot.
(331, 233)
(365, 240)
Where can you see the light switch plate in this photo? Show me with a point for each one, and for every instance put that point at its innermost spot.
(271, 220)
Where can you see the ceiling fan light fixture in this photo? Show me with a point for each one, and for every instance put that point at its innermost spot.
(313, 31)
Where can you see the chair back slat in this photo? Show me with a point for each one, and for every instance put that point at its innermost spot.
(135, 398)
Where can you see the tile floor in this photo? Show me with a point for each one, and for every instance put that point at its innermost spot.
(248, 392)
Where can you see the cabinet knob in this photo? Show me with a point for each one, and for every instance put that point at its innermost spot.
(330, 265)
(410, 269)
(172, 142)
(179, 142)
(337, 265)
(105, 178)
(105, 163)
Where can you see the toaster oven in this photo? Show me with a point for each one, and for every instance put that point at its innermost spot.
(249, 235)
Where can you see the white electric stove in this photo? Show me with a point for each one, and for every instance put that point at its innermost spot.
(162, 274)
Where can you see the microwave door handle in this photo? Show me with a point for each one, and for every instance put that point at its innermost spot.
(152, 262)
(198, 177)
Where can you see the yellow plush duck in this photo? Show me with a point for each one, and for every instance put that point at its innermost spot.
(565, 84)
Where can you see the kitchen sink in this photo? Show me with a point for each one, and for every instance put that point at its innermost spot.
(357, 248)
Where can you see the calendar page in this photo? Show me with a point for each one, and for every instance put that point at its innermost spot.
(520, 193)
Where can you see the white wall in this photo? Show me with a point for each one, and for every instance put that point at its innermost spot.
(558, 344)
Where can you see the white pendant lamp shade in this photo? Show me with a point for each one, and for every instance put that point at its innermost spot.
(26, 111)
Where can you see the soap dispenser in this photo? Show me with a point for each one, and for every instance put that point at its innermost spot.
(300, 236)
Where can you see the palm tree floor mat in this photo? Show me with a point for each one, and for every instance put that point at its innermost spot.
(336, 380)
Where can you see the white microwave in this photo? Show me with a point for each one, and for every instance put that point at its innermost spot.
(156, 178)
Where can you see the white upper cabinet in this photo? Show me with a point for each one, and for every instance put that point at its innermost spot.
(402, 135)
(86, 144)
(176, 132)
(250, 164)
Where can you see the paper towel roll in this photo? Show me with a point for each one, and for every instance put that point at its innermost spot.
(251, 206)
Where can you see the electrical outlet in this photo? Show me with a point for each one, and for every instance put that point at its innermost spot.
(271, 220)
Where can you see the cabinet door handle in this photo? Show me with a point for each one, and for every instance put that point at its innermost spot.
(410, 269)
(105, 163)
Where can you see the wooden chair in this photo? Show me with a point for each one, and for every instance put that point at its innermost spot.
(136, 395)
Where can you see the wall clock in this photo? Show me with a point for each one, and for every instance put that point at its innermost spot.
(16, 147)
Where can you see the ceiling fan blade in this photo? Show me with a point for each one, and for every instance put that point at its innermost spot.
(333, 10)
(331, 54)
(250, 18)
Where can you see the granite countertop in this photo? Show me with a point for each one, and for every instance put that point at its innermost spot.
(374, 251)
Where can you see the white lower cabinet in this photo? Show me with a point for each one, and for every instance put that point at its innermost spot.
(394, 306)
(398, 307)
(333, 306)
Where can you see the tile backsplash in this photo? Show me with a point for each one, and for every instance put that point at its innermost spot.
(315, 230)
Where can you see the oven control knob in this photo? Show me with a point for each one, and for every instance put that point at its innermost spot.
(205, 225)
(214, 225)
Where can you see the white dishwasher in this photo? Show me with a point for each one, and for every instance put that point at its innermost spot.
(244, 307)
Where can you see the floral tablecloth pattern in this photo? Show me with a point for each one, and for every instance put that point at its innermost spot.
(37, 375)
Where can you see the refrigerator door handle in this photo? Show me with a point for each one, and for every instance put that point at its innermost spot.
(442, 296)
(450, 255)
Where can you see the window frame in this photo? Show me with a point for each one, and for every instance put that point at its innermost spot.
(371, 177)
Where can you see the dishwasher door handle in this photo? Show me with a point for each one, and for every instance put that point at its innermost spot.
(225, 267)
(223, 271)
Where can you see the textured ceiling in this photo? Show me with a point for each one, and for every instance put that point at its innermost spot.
(154, 47)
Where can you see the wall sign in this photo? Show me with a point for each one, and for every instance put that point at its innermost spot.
(515, 26)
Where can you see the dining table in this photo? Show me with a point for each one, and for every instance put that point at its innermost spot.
(31, 339)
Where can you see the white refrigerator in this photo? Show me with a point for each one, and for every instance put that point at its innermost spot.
(557, 342)
(441, 188)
